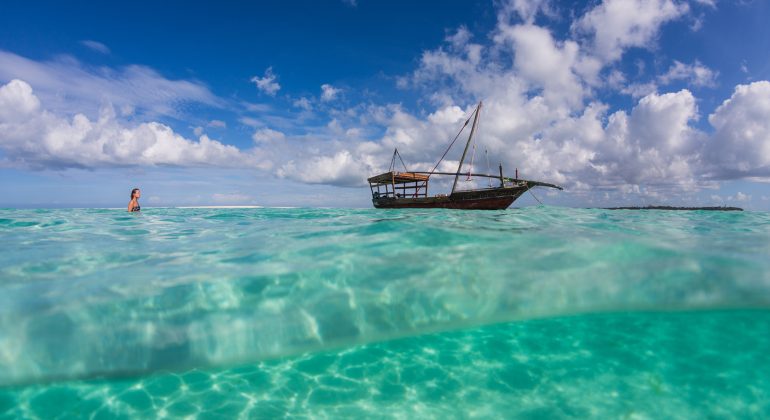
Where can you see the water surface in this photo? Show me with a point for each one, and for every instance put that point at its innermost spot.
(546, 311)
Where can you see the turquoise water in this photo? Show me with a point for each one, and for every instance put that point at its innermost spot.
(537, 312)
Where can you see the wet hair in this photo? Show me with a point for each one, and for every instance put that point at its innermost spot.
(134, 192)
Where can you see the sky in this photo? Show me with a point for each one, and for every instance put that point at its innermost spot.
(296, 103)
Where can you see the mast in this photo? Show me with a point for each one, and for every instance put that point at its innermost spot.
(465, 151)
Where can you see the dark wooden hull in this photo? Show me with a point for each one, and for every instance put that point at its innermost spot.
(484, 199)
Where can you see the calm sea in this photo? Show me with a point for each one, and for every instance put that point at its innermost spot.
(539, 312)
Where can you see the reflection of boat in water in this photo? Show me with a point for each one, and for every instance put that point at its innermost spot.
(409, 189)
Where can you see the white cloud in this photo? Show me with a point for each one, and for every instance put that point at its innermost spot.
(341, 169)
(739, 196)
(127, 110)
(303, 103)
(267, 83)
(740, 146)
(744, 67)
(217, 124)
(653, 146)
(251, 122)
(329, 92)
(64, 84)
(96, 46)
(615, 25)
(33, 137)
(527, 10)
(638, 90)
(695, 74)
(662, 121)
(266, 135)
(710, 3)
(17, 101)
(252, 107)
(545, 63)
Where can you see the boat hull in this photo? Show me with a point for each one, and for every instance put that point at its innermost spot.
(485, 199)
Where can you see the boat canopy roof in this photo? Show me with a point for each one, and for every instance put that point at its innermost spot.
(397, 178)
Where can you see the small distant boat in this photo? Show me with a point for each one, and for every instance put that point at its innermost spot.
(409, 189)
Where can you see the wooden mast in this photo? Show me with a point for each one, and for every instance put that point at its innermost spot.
(465, 151)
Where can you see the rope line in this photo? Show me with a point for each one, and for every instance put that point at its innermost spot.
(453, 142)
(450, 145)
(393, 161)
(533, 195)
(402, 161)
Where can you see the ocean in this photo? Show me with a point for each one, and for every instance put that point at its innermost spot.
(537, 312)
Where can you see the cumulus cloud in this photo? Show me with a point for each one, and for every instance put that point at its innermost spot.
(547, 64)
(615, 25)
(267, 83)
(34, 137)
(695, 74)
(329, 92)
(64, 84)
(654, 145)
(740, 146)
(342, 169)
(739, 196)
(96, 46)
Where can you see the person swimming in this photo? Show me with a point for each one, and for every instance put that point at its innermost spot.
(133, 205)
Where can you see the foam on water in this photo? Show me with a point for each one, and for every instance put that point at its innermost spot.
(102, 292)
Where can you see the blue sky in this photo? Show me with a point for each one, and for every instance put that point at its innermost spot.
(296, 103)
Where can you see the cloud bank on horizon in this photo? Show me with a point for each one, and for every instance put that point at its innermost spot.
(551, 109)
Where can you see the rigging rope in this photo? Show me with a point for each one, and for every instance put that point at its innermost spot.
(453, 142)
(533, 195)
(450, 145)
(402, 161)
(393, 161)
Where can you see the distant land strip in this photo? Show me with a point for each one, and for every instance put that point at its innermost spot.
(720, 208)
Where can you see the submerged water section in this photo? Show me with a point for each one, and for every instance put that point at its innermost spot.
(707, 364)
(101, 292)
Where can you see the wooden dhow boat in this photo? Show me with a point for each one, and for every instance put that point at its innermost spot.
(409, 189)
